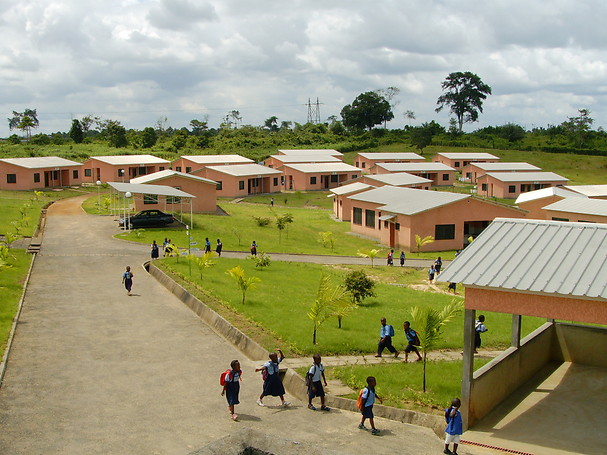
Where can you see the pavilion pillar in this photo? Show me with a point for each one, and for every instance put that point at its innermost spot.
(515, 340)
(468, 365)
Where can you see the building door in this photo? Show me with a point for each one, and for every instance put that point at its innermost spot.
(392, 234)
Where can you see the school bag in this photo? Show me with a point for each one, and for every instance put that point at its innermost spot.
(309, 377)
(361, 402)
(222, 378)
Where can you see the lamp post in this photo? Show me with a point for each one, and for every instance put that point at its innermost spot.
(128, 214)
(99, 195)
(187, 231)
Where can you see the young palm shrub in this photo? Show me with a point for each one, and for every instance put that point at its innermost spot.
(371, 254)
(429, 323)
(244, 283)
(261, 260)
(327, 239)
(421, 242)
(328, 299)
(203, 262)
(282, 223)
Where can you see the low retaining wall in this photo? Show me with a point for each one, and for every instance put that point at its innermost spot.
(293, 383)
(581, 344)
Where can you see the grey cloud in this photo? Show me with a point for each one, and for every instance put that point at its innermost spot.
(180, 14)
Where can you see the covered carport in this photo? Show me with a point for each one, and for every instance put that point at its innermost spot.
(547, 392)
(168, 199)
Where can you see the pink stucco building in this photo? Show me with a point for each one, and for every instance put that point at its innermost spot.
(509, 185)
(472, 171)
(440, 174)
(237, 180)
(366, 161)
(342, 204)
(306, 152)
(278, 161)
(403, 179)
(458, 160)
(318, 176)
(194, 163)
(121, 168)
(34, 173)
(534, 201)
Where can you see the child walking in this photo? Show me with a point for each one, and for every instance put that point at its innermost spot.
(314, 383)
(454, 426)
(231, 386)
(366, 401)
(127, 279)
(272, 385)
(479, 327)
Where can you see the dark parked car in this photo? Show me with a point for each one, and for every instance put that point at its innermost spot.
(148, 218)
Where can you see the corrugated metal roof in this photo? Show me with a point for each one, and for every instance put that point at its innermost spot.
(245, 170)
(398, 179)
(407, 201)
(350, 188)
(506, 167)
(527, 176)
(130, 159)
(392, 156)
(535, 256)
(544, 193)
(414, 167)
(140, 188)
(38, 162)
(323, 167)
(310, 151)
(169, 173)
(583, 206)
(312, 158)
(468, 156)
(217, 159)
(589, 190)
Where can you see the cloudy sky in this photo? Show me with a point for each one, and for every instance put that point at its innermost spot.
(138, 61)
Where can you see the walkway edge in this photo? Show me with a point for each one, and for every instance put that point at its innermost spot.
(11, 334)
(293, 382)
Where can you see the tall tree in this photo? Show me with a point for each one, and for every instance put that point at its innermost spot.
(76, 132)
(409, 115)
(366, 111)
(148, 137)
(24, 121)
(464, 93)
(271, 123)
(578, 128)
(198, 127)
(114, 132)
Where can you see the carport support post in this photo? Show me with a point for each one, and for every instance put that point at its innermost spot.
(515, 340)
(468, 365)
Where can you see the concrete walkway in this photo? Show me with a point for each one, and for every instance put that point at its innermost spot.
(93, 371)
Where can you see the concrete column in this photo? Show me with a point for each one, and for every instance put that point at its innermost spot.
(468, 366)
(515, 340)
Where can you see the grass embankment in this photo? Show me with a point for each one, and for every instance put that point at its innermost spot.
(281, 301)
(11, 287)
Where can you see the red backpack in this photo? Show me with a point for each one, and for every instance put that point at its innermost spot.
(361, 402)
(222, 378)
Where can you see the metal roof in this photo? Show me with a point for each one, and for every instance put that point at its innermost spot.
(468, 156)
(311, 158)
(544, 193)
(323, 167)
(392, 156)
(398, 179)
(244, 170)
(118, 160)
(310, 151)
(415, 167)
(38, 162)
(217, 159)
(535, 256)
(140, 188)
(505, 166)
(527, 176)
(407, 201)
(582, 206)
(166, 173)
(589, 190)
(350, 188)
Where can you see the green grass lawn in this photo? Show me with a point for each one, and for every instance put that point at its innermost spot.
(311, 199)
(11, 203)
(400, 384)
(283, 298)
(11, 287)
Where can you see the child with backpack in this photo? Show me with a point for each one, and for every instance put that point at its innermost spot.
(313, 381)
(454, 426)
(272, 385)
(230, 380)
(366, 399)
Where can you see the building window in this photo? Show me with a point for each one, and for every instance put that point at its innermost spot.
(397, 226)
(386, 224)
(88, 172)
(370, 218)
(75, 174)
(161, 168)
(334, 178)
(36, 177)
(11, 178)
(555, 218)
(312, 180)
(357, 216)
(142, 170)
(219, 185)
(173, 199)
(511, 188)
(444, 231)
(241, 185)
(188, 169)
(275, 180)
(484, 187)
(457, 164)
(364, 165)
(178, 168)
(120, 172)
(445, 177)
(150, 199)
(354, 176)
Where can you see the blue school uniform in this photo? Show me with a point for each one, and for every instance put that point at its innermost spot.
(369, 398)
(455, 423)
(272, 385)
(316, 389)
(232, 380)
(128, 280)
